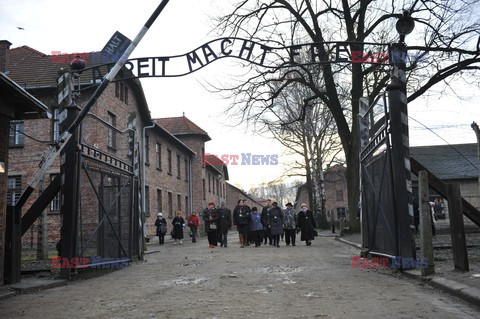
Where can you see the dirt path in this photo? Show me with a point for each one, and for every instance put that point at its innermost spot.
(192, 281)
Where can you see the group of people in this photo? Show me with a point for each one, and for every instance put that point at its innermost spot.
(253, 226)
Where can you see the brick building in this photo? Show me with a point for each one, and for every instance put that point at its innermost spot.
(234, 194)
(336, 199)
(177, 176)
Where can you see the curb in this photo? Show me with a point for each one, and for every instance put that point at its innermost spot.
(465, 292)
(6, 295)
(32, 287)
(348, 242)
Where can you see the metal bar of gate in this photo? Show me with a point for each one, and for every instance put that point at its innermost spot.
(105, 211)
(63, 140)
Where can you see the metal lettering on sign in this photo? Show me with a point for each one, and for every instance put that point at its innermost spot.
(253, 52)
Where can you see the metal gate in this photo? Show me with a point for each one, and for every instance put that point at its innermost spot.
(108, 215)
(379, 224)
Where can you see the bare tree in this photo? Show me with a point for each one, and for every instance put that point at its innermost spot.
(447, 31)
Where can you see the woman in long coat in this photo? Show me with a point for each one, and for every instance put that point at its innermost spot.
(275, 223)
(306, 223)
(178, 225)
(161, 224)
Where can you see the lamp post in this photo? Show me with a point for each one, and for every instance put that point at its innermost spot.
(397, 100)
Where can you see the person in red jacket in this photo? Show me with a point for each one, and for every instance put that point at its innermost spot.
(193, 223)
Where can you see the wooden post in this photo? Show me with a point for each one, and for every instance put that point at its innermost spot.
(426, 246)
(457, 229)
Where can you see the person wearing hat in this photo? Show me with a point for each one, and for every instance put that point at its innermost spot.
(306, 223)
(161, 224)
(193, 223)
(210, 216)
(290, 224)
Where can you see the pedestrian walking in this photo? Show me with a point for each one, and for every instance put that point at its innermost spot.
(178, 226)
(290, 225)
(247, 208)
(210, 216)
(240, 219)
(332, 221)
(256, 226)
(306, 224)
(193, 223)
(161, 224)
(224, 224)
(266, 230)
(275, 223)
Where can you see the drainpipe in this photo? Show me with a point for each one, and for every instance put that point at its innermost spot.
(144, 154)
(190, 183)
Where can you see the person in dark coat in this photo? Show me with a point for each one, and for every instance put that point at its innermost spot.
(249, 236)
(306, 224)
(161, 224)
(210, 216)
(224, 224)
(266, 230)
(240, 219)
(178, 225)
(256, 226)
(193, 223)
(290, 224)
(275, 223)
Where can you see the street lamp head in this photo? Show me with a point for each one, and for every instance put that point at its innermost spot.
(405, 24)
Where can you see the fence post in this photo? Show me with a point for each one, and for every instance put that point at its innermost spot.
(457, 229)
(426, 246)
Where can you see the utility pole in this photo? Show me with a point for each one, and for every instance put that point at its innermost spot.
(476, 129)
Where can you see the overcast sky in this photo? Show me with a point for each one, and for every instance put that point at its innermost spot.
(83, 26)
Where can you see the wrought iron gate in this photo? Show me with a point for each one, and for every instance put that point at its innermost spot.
(379, 224)
(108, 212)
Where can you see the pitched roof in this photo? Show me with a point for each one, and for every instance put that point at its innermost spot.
(216, 163)
(448, 162)
(32, 69)
(21, 101)
(181, 126)
(246, 196)
(174, 139)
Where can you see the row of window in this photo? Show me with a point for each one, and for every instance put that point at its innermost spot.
(158, 159)
(170, 209)
(214, 187)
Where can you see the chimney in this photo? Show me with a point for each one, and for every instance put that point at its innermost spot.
(4, 54)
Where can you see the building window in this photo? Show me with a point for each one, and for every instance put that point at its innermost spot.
(339, 195)
(186, 170)
(16, 133)
(170, 205)
(179, 202)
(179, 161)
(147, 149)
(169, 158)
(159, 200)
(14, 189)
(55, 203)
(204, 190)
(209, 184)
(112, 120)
(147, 200)
(158, 155)
(187, 209)
(224, 193)
(55, 126)
(121, 92)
